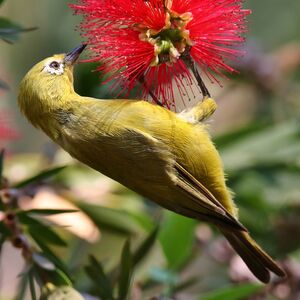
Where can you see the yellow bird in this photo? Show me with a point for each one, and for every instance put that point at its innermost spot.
(166, 157)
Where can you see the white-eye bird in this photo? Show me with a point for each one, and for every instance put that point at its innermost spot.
(166, 157)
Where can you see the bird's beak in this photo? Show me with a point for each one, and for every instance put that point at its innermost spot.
(72, 56)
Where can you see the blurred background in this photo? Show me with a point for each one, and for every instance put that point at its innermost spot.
(256, 129)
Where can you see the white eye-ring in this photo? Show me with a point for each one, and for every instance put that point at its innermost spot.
(54, 67)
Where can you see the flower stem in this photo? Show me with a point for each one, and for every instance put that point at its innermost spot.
(154, 98)
(191, 64)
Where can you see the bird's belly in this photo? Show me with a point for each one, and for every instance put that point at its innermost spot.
(127, 171)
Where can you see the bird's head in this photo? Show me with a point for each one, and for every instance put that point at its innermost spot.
(48, 83)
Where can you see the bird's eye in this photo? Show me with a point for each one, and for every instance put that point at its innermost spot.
(55, 65)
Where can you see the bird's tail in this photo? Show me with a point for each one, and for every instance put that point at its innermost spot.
(257, 260)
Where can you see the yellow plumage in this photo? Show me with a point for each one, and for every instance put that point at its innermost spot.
(167, 157)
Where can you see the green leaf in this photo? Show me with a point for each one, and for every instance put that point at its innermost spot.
(43, 262)
(145, 247)
(47, 212)
(101, 282)
(62, 278)
(2, 205)
(40, 231)
(10, 31)
(164, 276)
(39, 177)
(177, 238)
(2, 241)
(52, 268)
(143, 220)
(234, 292)
(1, 164)
(56, 277)
(22, 287)
(278, 144)
(234, 136)
(1, 1)
(31, 285)
(3, 85)
(125, 272)
(140, 253)
(52, 257)
(47, 235)
(110, 219)
(4, 231)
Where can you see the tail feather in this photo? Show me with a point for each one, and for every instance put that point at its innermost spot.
(258, 261)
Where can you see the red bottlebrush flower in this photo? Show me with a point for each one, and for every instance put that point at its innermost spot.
(151, 41)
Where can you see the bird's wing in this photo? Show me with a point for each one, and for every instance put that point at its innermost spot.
(155, 164)
(165, 181)
(200, 194)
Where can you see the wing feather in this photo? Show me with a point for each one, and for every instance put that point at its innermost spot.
(182, 193)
